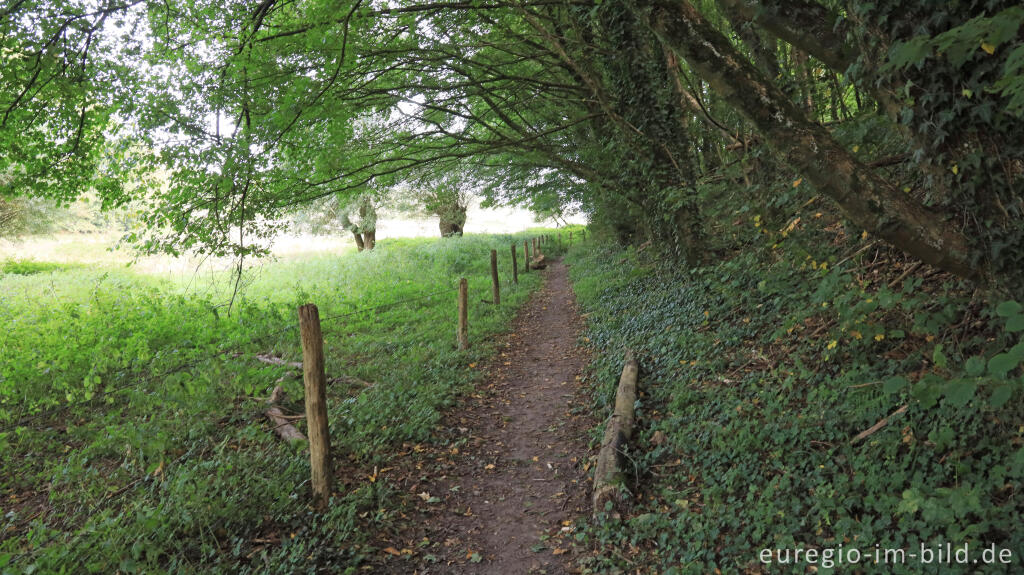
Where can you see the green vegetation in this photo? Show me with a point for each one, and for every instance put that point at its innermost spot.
(829, 197)
(762, 369)
(133, 438)
(29, 267)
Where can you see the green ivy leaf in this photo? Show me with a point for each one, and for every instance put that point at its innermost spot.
(960, 392)
(894, 384)
(1008, 308)
(939, 358)
(1002, 363)
(1000, 395)
(975, 366)
(1015, 323)
(926, 393)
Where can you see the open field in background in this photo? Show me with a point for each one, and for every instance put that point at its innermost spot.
(163, 461)
(209, 277)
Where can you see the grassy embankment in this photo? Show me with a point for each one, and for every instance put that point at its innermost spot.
(762, 369)
(164, 462)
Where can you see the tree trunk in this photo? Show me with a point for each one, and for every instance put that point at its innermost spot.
(452, 220)
(359, 241)
(868, 200)
(370, 239)
(806, 25)
(449, 228)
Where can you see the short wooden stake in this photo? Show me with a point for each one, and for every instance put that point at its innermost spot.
(462, 331)
(526, 256)
(515, 266)
(495, 286)
(316, 404)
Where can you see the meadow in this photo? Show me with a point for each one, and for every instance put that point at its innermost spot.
(131, 431)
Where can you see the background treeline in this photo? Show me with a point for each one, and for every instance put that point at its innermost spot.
(662, 119)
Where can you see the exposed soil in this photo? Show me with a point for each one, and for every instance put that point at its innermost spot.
(506, 498)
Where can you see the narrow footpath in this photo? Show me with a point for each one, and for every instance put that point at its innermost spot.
(506, 503)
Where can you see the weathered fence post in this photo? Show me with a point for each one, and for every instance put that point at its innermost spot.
(316, 403)
(462, 331)
(526, 256)
(495, 286)
(515, 266)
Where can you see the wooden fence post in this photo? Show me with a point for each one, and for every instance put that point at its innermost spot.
(495, 286)
(316, 403)
(462, 331)
(515, 266)
(526, 256)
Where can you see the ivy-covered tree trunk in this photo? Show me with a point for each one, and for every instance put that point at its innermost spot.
(868, 200)
(452, 220)
(368, 223)
(359, 240)
(365, 232)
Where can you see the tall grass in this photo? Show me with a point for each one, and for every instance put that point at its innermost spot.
(133, 438)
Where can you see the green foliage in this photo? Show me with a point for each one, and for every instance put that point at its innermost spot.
(158, 458)
(761, 370)
(956, 69)
(29, 267)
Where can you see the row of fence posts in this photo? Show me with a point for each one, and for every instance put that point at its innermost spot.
(315, 379)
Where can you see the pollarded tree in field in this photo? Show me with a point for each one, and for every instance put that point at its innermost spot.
(444, 192)
(354, 214)
(358, 215)
(448, 200)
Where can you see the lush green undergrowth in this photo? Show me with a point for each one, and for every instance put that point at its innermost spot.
(132, 431)
(761, 372)
(29, 267)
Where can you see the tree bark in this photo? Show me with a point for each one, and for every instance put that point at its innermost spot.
(368, 222)
(804, 24)
(868, 200)
(449, 228)
(608, 475)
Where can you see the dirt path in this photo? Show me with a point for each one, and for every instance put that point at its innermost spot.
(510, 491)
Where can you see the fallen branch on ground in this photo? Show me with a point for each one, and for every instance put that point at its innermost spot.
(608, 475)
(272, 360)
(282, 423)
(881, 423)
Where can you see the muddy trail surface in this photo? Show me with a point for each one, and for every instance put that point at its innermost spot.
(502, 496)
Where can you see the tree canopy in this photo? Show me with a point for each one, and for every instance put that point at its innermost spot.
(663, 120)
